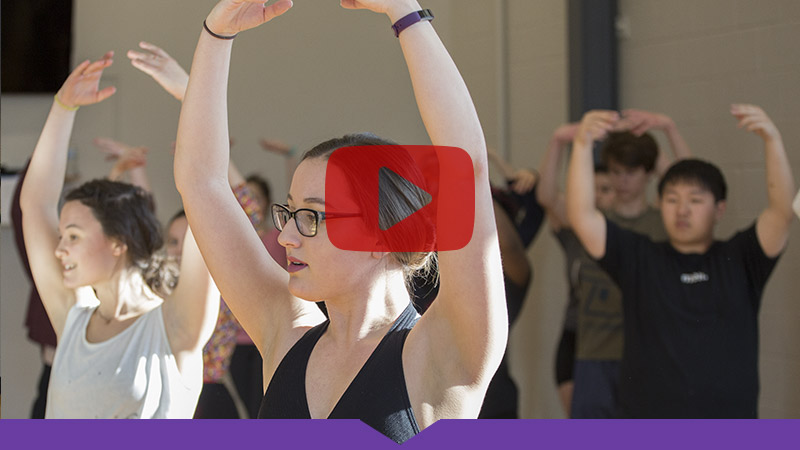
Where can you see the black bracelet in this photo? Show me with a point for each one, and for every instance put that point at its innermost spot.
(218, 36)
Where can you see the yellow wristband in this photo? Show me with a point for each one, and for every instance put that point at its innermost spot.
(68, 108)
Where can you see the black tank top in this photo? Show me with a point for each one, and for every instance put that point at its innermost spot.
(377, 395)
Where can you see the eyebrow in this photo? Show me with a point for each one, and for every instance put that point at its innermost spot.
(316, 200)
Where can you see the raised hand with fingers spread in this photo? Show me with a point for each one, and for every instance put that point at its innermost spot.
(157, 63)
(82, 86)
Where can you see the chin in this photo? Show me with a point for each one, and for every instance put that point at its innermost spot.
(70, 284)
(301, 292)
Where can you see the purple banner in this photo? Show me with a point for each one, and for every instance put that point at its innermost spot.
(447, 434)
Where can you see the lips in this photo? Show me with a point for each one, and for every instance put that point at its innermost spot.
(295, 264)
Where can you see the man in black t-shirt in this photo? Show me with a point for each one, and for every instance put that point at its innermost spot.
(690, 304)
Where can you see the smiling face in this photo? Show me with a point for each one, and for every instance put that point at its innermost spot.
(690, 213)
(317, 269)
(86, 254)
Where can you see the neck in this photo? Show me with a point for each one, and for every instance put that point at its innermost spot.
(692, 247)
(123, 295)
(369, 313)
(631, 208)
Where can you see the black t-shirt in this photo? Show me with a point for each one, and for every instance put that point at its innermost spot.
(691, 325)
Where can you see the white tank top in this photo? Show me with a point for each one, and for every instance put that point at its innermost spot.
(132, 375)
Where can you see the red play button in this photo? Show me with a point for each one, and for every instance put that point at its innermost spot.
(400, 198)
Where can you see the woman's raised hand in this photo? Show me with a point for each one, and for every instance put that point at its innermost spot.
(81, 86)
(233, 16)
(157, 63)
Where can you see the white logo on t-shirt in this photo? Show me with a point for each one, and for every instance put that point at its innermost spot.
(692, 278)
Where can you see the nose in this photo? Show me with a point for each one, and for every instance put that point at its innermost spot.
(683, 208)
(289, 236)
(60, 250)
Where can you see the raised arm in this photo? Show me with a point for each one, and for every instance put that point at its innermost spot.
(190, 312)
(773, 223)
(548, 194)
(44, 181)
(522, 180)
(253, 285)
(586, 220)
(464, 332)
(638, 122)
(127, 159)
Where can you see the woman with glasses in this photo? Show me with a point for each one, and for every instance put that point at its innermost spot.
(129, 338)
(374, 359)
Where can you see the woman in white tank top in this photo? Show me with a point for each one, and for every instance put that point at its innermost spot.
(135, 350)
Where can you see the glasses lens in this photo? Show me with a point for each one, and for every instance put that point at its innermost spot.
(279, 216)
(306, 222)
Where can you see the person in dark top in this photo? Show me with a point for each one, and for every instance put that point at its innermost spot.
(449, 356)
(629, 158)
(690, 304)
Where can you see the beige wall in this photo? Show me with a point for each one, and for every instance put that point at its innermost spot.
(320, 72)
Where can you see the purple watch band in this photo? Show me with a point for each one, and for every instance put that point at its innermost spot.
(411, 19)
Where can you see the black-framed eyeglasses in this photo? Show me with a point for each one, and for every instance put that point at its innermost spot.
(307, 220)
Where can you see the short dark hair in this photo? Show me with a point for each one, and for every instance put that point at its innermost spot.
(699, 172)
(127, 213)
(630, 150)
(262, 184)
(600, 168)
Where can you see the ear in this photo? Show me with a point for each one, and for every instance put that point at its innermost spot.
(118, 248)
(378, 255)
(720, 208)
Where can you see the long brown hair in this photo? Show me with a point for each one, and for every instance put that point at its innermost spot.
(127, 213)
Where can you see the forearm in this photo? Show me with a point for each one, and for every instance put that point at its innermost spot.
(202, 150)
(580, 183)
(547, 190)
(48, 166)
(505, 168)
(442, 96)
(678, 145)
(780, 182)
(680, 148)
(797, 204)
(139, 178)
